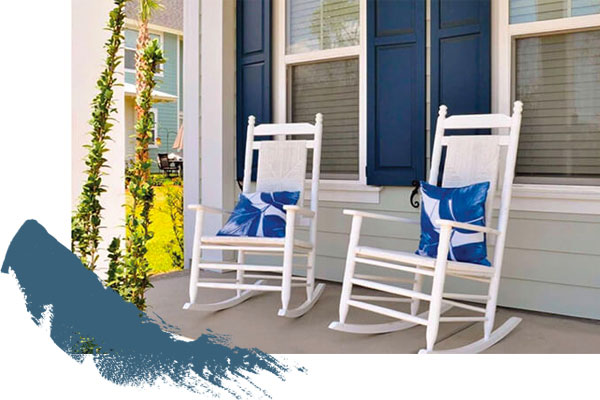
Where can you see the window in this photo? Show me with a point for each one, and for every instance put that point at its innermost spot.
(558, 78)
(130, 49)
(556, 73)
(321, 66)
(540, 10)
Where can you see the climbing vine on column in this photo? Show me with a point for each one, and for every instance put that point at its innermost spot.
(85, 223)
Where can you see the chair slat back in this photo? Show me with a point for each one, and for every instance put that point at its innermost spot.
(473, 159)
(477, 158)
(282, 161)
(282, 166)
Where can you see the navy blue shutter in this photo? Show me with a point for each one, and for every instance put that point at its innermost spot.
(395, 92)
(460, 58)
(253, 19)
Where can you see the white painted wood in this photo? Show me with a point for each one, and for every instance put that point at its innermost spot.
(218, 112)
(222, 305)
(300, 210)
(469, 159)
(237, 267)
(281, 166)
(252, 241)
(480, 166)
(387, 327)
(208, 209)
(291, 129)
(482, 344)
(404, 257)
(387, 312)
(304, 307)
(480, 121)
(191, 120)
(390, 289)
(378, 263)
(380, 216)
(463, 225)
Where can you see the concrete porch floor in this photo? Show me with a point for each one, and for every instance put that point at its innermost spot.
(255, 324)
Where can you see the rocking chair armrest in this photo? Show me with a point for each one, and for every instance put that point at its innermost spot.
(384, 217)
(208, 209)
(299, 210)
(463, 225)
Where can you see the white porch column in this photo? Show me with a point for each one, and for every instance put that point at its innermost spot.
(209, 112)
(218, 111)
(191, 119)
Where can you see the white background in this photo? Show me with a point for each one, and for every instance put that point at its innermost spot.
(35, 184)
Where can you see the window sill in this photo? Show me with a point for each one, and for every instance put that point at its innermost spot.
(351, 192)
(555, 198)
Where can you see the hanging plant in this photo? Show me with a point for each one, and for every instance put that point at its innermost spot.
(85, 223)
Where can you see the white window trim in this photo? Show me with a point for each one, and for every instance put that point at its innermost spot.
(569, 199)
(330, 190)
(162, 47)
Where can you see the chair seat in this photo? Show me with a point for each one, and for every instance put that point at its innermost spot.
(252, 241)
(458, 267)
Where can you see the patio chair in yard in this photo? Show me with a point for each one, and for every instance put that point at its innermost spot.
(281, 176)
(470, 160)
(164, 164)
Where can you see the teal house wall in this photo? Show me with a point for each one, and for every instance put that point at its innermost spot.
(169, 82)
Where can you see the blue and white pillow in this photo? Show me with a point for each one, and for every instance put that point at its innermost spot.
(259, 214)
(463, 204)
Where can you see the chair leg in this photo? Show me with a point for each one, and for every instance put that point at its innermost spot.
(310, 275)
(196, 252)
(349, 268)
(239, 279)
(417, 287)
(437, 289)
(288, 260)
(490, 307)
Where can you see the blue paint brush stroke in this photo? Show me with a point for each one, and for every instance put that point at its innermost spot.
(135, 350)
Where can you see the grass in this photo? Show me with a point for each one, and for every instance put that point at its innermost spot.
(160, 224)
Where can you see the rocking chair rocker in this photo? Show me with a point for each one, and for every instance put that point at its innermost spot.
(469, 159)
(281, 167)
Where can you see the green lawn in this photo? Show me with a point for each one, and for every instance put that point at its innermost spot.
(160, 224)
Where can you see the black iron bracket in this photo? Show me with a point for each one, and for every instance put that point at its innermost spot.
(413, 202)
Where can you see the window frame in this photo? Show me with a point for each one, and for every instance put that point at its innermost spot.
(161, 36)
(539, 196)
(282, 94)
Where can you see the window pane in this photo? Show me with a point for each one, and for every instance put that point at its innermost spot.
(321, 24)
(129, 59)
(540, 10)
(330, 88)
(558, 80)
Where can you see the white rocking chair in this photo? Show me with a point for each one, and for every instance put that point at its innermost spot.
(469, 159)
(281, 166)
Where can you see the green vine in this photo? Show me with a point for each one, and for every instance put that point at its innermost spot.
(135, 263)
(85, 223)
